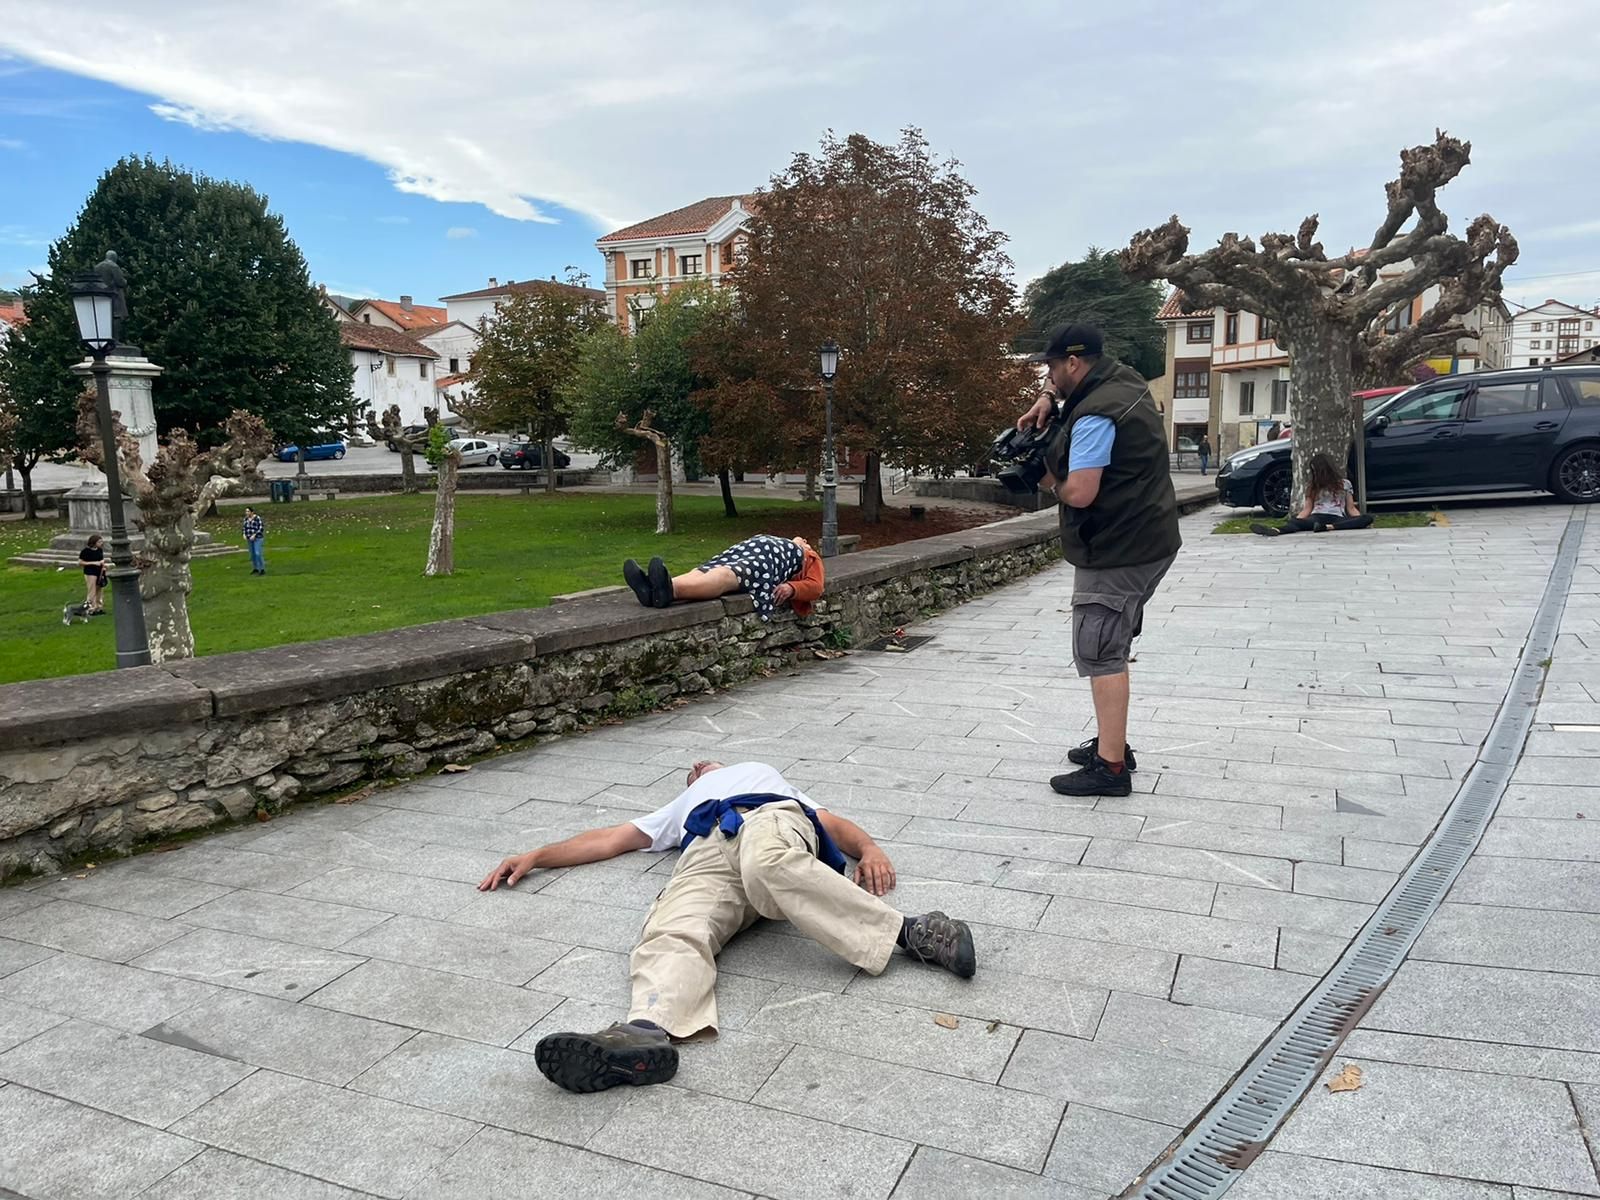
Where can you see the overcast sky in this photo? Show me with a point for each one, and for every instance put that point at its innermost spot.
(418, 147)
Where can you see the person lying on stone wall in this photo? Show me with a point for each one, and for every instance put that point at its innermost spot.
(774, 571)
(753, 846)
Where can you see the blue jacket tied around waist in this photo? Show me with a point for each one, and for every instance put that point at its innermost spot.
(728, 816)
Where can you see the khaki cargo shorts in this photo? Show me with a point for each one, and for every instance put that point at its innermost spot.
(1108, 613)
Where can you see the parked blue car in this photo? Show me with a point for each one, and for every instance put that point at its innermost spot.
(326, 450)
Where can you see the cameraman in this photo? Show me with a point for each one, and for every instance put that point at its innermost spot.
(1108, 466)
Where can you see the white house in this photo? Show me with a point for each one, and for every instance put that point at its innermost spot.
(471, 307)
(455, 343)
(390, 368)
(700, 241)
(1547, 333)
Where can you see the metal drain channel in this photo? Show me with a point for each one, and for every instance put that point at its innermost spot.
(1244, 1118)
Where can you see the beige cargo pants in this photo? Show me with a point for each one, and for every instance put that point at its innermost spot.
(720, 887)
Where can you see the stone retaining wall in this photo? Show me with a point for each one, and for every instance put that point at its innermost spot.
(99, 763)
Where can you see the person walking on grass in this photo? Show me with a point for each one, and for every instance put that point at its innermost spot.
(753, 846)
(255, 536)
(1330, 504)
(773, 571)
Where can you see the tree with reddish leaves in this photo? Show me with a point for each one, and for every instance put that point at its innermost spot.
(1330, 314)
(878, 247)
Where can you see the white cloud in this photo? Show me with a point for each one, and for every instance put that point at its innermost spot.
(7, 143)
(1077, 128)
(456, 232)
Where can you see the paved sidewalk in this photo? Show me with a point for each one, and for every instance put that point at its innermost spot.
(323, 1006)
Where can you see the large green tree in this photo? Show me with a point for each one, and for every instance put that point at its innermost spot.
(218, 295)
(1097, 290)
(657, 371)
(42, 426)
(881, 249)
(523, 368)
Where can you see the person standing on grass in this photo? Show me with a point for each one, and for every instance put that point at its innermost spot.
(92, 558)
(1330, 504)
(753, 846)
(255, 536)
(1110, 468)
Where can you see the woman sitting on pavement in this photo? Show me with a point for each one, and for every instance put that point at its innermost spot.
(1330, 504)
(772, 570)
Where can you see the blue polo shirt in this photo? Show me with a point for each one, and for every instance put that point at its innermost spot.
(1092, 438)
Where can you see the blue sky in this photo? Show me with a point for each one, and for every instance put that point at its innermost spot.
(531, 126)
(360, 235)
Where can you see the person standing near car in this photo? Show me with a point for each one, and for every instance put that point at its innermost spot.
(1108, 466)
(1205, 454)
(255, 536)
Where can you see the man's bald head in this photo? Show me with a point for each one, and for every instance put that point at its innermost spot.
(700, 768)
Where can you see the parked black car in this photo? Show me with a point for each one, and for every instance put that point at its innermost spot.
(1518, 430)
(525, 456)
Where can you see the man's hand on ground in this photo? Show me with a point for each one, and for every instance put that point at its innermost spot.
(508, 872)
(874, 871)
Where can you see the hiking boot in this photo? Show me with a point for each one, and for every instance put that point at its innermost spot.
(1096, 779)
(660, 583)
(935, 938)
(593, 1062)
(1082, 756)
(634, 575)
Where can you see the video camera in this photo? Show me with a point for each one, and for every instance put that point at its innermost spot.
(1023, 450)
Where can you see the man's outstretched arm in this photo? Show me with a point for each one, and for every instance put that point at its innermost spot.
(874, 871)
(593, 845)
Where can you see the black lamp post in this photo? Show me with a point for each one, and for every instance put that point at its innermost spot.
(93, 302)
(828, 355)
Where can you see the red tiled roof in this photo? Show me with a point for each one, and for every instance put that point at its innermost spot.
(693, 218)
(360, 336)
(418, 316)
(1171, 312)
(12, 313)
(445, 381)
(527, 285)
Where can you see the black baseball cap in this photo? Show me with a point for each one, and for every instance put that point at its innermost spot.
(1069, 340)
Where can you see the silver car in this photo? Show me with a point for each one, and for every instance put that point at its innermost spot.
(475, 452)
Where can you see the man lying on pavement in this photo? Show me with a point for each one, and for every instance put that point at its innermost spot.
(753, 846)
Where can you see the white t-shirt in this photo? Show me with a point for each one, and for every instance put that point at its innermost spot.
(1331, 504)
(664, 827)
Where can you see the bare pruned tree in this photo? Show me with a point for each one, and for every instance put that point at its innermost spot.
(1330, 314)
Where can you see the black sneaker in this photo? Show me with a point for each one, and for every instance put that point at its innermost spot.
(660, 583)
(593, 1062)
(935, 938)
(1265, 530)
(634, 575)
(1096, 779)
(1082, 756)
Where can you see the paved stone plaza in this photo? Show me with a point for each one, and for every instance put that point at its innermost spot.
(324, 1006)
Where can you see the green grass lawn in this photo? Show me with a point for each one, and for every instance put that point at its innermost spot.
(355, 566)
(1399, 520)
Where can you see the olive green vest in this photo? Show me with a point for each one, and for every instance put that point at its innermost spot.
(1134, 518)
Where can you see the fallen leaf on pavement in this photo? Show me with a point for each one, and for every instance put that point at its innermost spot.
(1347, 1080)
(945, 1021)
(454, 768)
(821, 653)
(993, 1025)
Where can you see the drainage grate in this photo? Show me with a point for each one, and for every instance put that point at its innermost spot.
(1244, 1118)
(899, 645)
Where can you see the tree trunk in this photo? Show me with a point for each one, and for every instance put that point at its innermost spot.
(550, 466)
(663, 485)
(441, 542)
(30, 505)
(872, 495)
(300, 459)
(408, 470)
(165, 581)
(728, 508)
(810, 490)
(1320, 363)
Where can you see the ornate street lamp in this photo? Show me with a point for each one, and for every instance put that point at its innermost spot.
(94, 304)
(828, 356)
